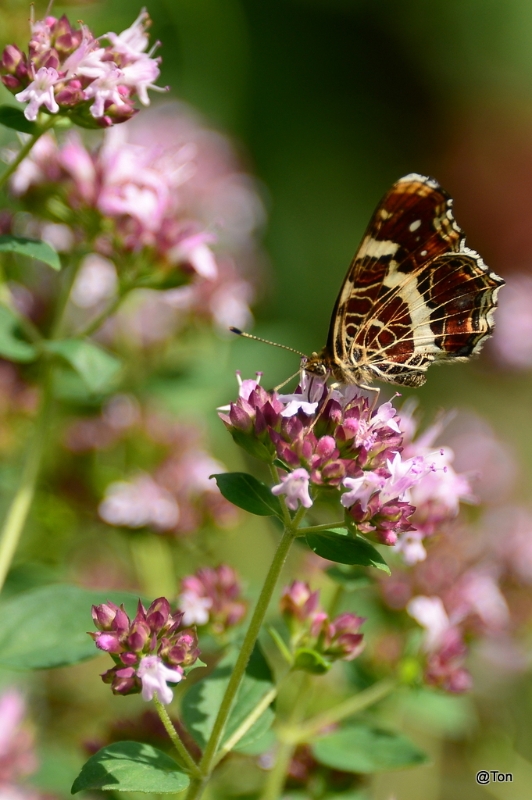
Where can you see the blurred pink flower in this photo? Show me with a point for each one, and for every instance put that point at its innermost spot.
(443, 644)
(213, 596)
(512, 341)
(17, 754)
(138, 503)
(170, 188)
(96, 281)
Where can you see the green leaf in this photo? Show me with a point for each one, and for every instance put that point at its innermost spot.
(131, 767)
(247, 492)
(367, 749)
(47, 627)
(11, 346)
(346, 550)
(13, 117)
(96, 367)
(251, 445)
(32, 248)
(311, 661)
(350, 578)
(202, 701)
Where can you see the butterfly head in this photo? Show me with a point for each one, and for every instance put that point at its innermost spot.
(316, 364)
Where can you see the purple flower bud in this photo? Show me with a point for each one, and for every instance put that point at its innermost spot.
(139, 636)
(104, 615)
(12, 59)
(11, 83)
(240, 419)
(109, 642)
(158, 613)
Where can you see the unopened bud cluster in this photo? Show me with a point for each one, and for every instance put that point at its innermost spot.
(153, 646)
(313, 632)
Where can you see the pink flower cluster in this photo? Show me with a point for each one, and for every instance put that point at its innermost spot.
(443, 645)
(311, 629)
(148, 651)
(67, 71)
(164, 187)
(179, 496)
(335, 439)
(17, 753)
(213, 597)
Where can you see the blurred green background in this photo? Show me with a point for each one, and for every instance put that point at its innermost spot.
(329, 102)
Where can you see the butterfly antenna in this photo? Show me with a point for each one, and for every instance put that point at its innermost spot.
(267, 341)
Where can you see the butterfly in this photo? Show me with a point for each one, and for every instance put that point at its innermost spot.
(414, 294)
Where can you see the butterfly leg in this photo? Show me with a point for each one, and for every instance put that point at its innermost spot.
(376, 394)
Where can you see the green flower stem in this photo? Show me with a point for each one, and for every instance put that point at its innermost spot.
(355, 704)
(244, 727)
(21, 503)
(273, 788)
(24, 151)
(98, 321)
(208, 760)
(327, 526)
(336, 600)
(184, 755)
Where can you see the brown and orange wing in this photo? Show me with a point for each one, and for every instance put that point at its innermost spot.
(414, 293)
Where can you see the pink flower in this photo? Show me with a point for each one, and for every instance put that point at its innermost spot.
(86, 60)
(212, 595)
(105, 89)
(512, 342)
(295, 487)
(154, 675)
(306, 399)
(96, 281)
(195, 608)
(443, 644)
(431, 615)
(17, 754)
(410, 545)
(139, 503)
(133, 40)
(299, 604)
(140, 75)
(361, 489)
(39, 93)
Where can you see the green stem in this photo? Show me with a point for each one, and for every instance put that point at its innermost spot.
(250, 720)
(21, 503)
(273, 788)
(348, 708)
(209, 756)
(26, 149)
(98, 321)
(18, 511)
(182, 751)
(327, 526)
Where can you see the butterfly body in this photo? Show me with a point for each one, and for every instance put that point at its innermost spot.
(414, 293)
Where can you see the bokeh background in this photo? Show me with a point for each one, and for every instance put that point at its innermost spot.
(328, 102)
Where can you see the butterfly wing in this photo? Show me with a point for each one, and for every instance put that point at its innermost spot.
(414, 292)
